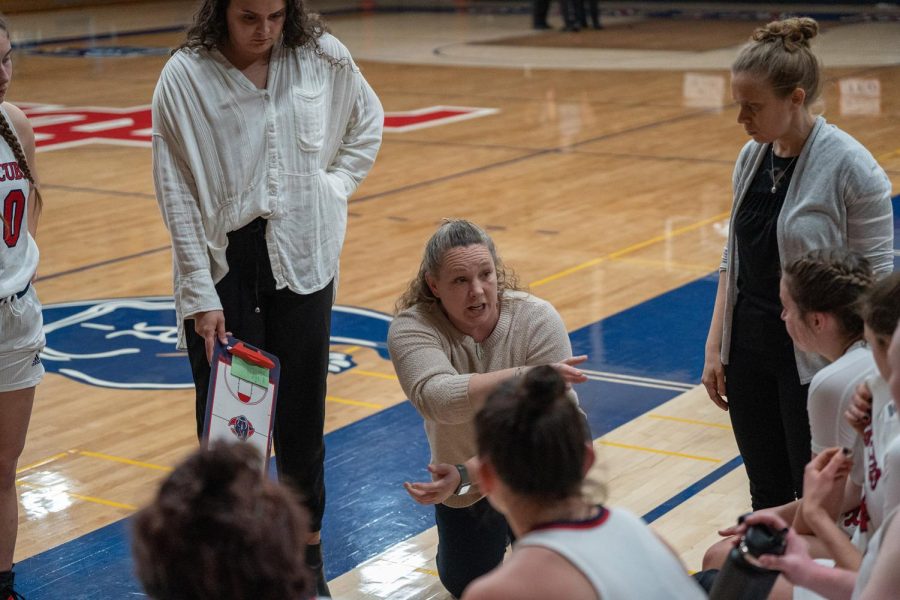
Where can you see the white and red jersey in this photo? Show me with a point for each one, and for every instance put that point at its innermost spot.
(18, 251)
(618, 553)
(882, 447)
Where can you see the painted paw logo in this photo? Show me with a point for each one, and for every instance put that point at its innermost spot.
(129, 343)
(57, 126)
(241, 428)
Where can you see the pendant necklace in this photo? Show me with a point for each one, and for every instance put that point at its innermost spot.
(775, 179)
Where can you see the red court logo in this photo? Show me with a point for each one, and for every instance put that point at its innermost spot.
(57, 126)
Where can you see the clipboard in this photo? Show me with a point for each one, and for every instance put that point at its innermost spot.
(243, 390)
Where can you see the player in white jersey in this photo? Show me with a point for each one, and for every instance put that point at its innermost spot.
(533, 457)
(21, 325)
(877, 576)
(819, 294)
(881, 427)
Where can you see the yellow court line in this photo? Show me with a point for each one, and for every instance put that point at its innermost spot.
(91, 499)
(126, 461)
(43, 462)
(629, 249)
(352, 349)
(374, 374)
(692, 421)
(426, 571)
(354, 402)
(655, 451)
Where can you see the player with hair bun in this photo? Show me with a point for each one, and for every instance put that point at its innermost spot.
(533, 458)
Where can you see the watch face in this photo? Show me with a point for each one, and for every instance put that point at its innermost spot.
(464, 489)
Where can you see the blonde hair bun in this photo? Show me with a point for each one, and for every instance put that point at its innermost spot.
(794, 33)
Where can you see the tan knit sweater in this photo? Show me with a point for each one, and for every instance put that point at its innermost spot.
(435, 361)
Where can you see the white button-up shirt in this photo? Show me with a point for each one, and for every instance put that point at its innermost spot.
(226, 152)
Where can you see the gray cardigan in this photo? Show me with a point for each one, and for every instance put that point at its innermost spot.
(838, 196)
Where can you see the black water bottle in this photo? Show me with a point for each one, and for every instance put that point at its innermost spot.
(742, 577)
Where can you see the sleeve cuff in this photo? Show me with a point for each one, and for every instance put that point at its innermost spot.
(196, 293)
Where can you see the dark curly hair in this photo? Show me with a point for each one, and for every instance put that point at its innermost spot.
(218, 528)
(210, 27)
(301, 28)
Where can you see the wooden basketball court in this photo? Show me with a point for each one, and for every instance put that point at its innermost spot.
(601, 166)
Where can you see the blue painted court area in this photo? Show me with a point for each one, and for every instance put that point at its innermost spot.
(368, 510)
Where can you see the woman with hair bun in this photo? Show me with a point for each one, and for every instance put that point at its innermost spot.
(533, 458)
(798, 185)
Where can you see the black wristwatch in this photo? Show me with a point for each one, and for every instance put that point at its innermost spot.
(465, 484)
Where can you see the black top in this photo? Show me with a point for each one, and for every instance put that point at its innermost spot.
(757, 320)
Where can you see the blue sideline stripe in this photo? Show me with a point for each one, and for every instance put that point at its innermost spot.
(694, 489)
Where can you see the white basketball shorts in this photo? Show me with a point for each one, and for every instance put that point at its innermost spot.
(21, 341)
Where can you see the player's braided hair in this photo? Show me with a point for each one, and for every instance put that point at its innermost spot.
(831, 281)
(13, 142)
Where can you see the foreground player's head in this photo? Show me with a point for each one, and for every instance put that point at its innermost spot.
(531, 440)
(820, 294)
(219, 529)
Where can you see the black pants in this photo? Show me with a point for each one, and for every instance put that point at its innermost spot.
(767, 405)
(539, 9)
(572, 12)
(471, 542)
(295, 328)
(594, 9)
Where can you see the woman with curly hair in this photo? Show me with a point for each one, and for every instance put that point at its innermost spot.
(799, 184)
(263, 127)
